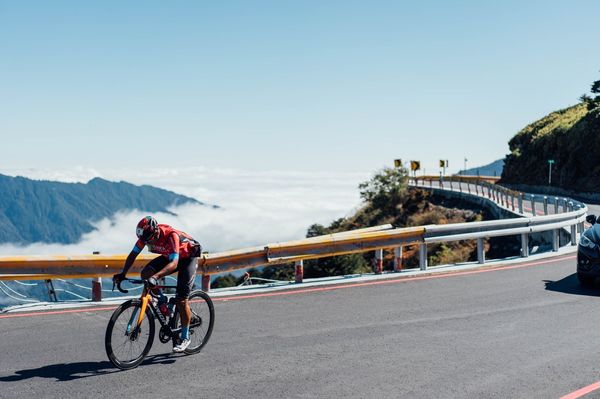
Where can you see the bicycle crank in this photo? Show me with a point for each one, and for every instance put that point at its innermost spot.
(164, 335)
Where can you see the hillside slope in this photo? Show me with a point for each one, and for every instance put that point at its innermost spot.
(571, 137)
(53, 212)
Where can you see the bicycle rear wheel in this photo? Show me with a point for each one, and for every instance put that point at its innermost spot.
(202, 322)
(127, 345)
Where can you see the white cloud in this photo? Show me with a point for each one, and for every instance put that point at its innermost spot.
(257, 207)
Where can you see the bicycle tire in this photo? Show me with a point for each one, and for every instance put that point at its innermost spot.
(202, 307)
(115, 358)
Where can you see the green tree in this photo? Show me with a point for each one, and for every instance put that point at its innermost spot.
(227, 280)
(317, 230)
(336, 266)
(278, 272)
(596, 87)
(592, 102)
(386, 190)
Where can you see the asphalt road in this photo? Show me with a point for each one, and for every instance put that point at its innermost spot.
(526, 332)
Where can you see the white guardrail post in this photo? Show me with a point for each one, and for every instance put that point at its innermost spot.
(521, 195)
(545, 205)
(525, 245)
(533, 212)
(299, 271)
(96, 285)
(378, 261)
(555, 240)
(480, 251)
(206, 282)
(573, 227)
(423, 256)
(398, 259)
(96, 289)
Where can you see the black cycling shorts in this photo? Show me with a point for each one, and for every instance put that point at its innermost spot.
(186, 272)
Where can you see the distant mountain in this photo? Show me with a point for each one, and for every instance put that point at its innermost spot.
(493, 169)
(54, 212)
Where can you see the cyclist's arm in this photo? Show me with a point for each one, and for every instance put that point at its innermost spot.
(171, 267)
(137, 248)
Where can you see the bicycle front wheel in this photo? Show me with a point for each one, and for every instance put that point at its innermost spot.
(201, 323)
(126, 344)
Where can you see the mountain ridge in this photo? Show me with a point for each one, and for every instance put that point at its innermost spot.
(55, 212)
(491, 169)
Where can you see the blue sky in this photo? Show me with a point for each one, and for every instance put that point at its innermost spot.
(284, 85)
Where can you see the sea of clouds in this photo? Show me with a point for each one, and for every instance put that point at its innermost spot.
(256, 207)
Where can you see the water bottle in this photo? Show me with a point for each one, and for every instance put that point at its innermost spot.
(162, 305)
(164, 309)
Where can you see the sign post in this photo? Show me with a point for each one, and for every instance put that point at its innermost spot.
(443, 165)
(414, 166)
(550, 163)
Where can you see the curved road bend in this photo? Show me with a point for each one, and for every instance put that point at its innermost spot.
(520, 332)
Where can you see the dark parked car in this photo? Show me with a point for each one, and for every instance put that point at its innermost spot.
(588, 254)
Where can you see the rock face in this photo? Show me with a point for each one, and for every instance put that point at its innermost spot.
(570, 137)
(53, 212)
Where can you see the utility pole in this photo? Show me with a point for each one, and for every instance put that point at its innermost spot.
(465, 169)
(550, 163)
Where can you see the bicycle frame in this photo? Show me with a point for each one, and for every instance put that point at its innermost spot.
(145, 301)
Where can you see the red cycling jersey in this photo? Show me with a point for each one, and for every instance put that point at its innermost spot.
(170, 243)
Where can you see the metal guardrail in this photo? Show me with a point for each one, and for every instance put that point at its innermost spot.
(565, 213)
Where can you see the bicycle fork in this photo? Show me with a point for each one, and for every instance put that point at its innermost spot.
(137, 316)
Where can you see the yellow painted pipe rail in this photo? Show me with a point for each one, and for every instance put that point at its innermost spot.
(310, 248)
(46, 267)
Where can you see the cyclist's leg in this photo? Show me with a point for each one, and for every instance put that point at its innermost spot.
(151, 268)
(154, 266)
(185, 281)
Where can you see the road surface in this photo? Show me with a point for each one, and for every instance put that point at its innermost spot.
(520, 332)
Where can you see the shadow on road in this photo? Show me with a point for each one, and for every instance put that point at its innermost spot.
(74, 371)
(571, 285)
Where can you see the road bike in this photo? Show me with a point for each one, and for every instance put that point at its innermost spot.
(131, 328)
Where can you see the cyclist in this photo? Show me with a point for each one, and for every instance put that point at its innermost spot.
(178, 253)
